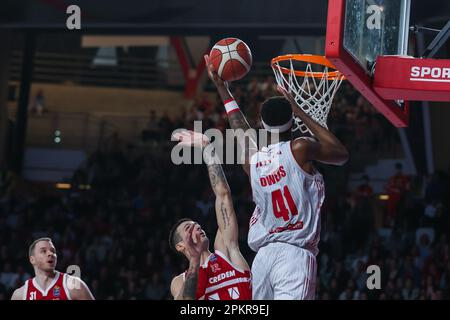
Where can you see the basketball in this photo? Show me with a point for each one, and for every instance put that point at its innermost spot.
(231, 58)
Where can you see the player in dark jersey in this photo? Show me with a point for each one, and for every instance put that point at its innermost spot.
(224, 274)
(49, 284)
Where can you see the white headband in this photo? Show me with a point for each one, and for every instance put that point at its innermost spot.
(283, 128)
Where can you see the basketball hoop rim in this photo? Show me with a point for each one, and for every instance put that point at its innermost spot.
(309, 58)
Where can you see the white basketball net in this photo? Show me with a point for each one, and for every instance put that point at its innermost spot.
(313, 94)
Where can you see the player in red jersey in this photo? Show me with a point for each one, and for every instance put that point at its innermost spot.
(49, 284)
(224, 274)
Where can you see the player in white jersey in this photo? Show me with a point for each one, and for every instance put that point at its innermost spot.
(288, 192)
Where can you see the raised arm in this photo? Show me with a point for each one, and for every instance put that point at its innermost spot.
(246, 137)
(227, 236)
(328, 149)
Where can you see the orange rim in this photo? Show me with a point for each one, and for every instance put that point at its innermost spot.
(320, 60)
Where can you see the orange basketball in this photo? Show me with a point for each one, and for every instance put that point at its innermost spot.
(231, 58)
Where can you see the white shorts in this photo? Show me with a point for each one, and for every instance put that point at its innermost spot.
(283, 271)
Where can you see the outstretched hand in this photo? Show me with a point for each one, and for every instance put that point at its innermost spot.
(192, 243)
(212, 73)
(288, 96)
(191, 138)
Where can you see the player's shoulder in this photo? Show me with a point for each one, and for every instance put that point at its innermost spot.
(177, 280)
(176, 284)
(303, 141)
(303, 144)
(76, 288)
(19, 292)
(232, 260)
(70, 279)
(73, 282)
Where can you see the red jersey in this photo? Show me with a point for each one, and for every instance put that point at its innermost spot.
(364, 191)
(219, 279)
(57, 290)
(398, 184)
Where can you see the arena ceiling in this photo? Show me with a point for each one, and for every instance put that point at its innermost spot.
(189, 16)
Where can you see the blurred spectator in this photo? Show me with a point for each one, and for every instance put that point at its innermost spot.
(364, 190)
(6, 182)
(396, 188)
(37, 105)
(269, 87)
(7, 277)
(253, 85)
(152, 130)
(409, 292)
(435, 188)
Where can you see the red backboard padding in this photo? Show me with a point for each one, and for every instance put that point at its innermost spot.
(412, 79)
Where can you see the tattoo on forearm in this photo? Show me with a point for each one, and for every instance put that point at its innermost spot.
(225, 217)
(190, 284)
(219, 182)
(216, 175)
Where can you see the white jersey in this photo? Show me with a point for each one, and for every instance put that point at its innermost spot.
(288, 200)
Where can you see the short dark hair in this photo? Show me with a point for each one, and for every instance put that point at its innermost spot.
(33, 245)
(398, 166)
(174, 236)
(276, 111)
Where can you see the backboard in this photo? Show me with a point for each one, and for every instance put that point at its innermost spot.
(376, 27)
(358, 32)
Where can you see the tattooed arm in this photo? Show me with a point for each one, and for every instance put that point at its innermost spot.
(226, 217)
(184, 287)
(245, 135)
(227, 236)
(190, 282)
(227, 240)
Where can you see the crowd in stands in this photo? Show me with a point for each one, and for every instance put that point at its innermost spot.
(352, 118)
(411, 245)
(117, 230)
